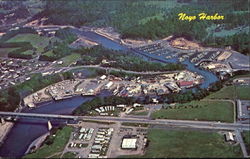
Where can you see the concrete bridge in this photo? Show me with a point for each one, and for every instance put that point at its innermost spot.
(167, 122)
(36, 115)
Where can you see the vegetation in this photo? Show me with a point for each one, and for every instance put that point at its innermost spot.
(135, 124)
(69, 155)
(37, 41)
(26, 43)
(188, 144)
(198, 110)
(66, 35)
(140, 113)
(232, 92)
(59, 49)
(57, 145)
(67, 60)
(121, 60)
(10, 98)
(157, 19)
(246, 138)
(98, 101)
(9, 34)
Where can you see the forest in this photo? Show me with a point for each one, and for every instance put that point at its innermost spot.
(122, 60)
(157, 19)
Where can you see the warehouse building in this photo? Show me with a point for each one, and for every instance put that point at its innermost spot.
(129, 143)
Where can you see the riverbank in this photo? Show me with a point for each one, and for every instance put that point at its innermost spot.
(4, 130)
(37, 143)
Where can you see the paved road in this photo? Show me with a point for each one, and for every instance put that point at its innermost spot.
(174, 123)
(242, 144)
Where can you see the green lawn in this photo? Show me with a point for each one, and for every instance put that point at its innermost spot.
(67, 60)
(69, 155)
(39, 42)
(198, 110)
(140, 113)
(188, 144)
(229, 92)
(28, 52)
(49, 53)
(246, 138)
(60, 141)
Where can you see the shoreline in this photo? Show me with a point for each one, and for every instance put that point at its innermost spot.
(5, 129)
(37, 142)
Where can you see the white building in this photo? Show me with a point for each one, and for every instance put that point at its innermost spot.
(103, 77)
(108, 85)
(229, 136)
(129, 143)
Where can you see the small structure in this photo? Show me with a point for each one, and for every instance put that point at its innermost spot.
(2, 121)
(103, 77)
(108, 85)
(129, 143)
(49, 125)
(229, 136)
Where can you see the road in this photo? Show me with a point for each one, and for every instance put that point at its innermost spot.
(242, 144)
(168, 122)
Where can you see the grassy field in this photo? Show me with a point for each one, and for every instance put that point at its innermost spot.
(49, 53)
(67, 60)
(69, 155)
(135, 124)
(229, 92)
(28, 52)
(246, 138)
(39, 42)
(188, 144)
(240, 76)
(199, 110)
(61, 139)
(140, 113)
(4, 51)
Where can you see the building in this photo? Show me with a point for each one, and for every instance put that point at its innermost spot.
(243, 111)
(103, 77)
(129, 143)
(229, 136)
(186, 84)
(108, 85)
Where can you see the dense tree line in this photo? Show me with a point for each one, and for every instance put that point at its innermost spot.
(99, 101)
(127, 16)
(11, 33)
(188, 96)
(59, 48)
(122, 60)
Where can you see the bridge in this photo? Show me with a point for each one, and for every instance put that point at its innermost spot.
(166, 122)
(36, 115)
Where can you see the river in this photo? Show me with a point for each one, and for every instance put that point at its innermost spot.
(26, 131)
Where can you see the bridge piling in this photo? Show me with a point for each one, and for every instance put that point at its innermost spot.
(2, 121)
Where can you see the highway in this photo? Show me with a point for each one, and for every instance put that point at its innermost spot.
(167, 122)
